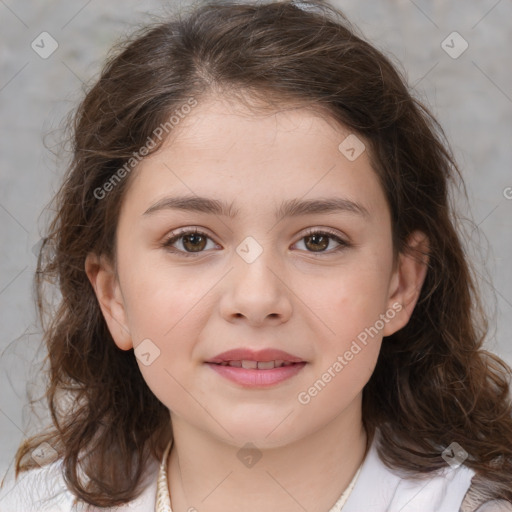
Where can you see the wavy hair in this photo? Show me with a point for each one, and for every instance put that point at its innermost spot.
(433, 382)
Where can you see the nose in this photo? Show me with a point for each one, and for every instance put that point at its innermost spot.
(257, 292)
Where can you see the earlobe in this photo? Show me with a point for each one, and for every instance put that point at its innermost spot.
(106, 287)
(407, 281)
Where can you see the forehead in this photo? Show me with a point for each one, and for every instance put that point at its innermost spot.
(226, 150)
(219, 120)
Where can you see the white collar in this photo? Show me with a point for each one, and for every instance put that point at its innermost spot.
(380, 489)
(377, 488)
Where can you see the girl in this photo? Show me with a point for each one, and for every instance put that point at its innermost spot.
(265, 301)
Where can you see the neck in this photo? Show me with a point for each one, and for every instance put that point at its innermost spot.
(311, 473)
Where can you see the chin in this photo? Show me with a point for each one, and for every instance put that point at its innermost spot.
(263, 435)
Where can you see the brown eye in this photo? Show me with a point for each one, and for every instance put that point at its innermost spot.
(317, 242)
(194, 242)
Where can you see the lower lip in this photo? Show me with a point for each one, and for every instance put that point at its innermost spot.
(254, 378)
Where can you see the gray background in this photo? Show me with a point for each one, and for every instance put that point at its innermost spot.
(470, 95)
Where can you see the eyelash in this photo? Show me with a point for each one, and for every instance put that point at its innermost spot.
(173, 237)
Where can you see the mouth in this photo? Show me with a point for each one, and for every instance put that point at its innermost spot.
(264, 359)
(256, 368)
(258, 365)
(255, 377)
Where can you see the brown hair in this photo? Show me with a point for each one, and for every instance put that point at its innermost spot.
(433, 383)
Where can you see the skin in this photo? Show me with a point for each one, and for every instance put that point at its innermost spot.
(312, 304)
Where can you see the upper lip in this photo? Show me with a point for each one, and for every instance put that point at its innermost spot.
(246, 354)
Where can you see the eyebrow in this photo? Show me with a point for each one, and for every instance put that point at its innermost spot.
(290, 208)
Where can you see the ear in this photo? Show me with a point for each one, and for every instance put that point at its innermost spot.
(407, 281)
(108, 292)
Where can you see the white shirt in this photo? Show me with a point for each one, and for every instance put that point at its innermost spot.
(377, 489)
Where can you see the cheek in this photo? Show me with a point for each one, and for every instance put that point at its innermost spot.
(160, 298)
(353, 350)
(349, 300)
(166, 326)
(348, 350)
(166, 383)
(349, 307)
(165, 310)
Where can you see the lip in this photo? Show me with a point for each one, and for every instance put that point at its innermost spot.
(264, 355)
(255, 378)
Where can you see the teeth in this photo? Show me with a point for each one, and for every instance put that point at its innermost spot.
(266, 366)
(260, 365)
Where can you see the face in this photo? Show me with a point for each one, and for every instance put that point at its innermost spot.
(319, 284)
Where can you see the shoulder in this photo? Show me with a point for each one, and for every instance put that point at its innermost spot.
(495, 506)
(479, 499)
(41, 489)
(44, 490)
